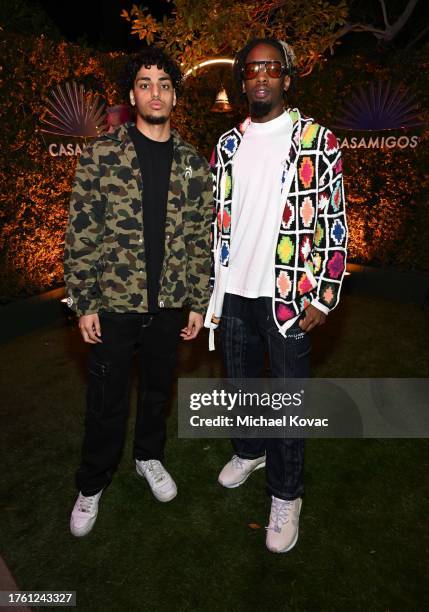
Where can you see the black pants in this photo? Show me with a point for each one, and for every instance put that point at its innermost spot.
(247, 331)
(156, 338)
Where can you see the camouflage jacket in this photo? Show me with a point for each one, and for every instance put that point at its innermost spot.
(104, 265)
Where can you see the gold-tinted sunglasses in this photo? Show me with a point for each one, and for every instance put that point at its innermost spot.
(273, 68)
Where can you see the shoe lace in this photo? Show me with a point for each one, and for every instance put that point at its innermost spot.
(279, 515)
(237, 462)
(155, 467)
(86, 503)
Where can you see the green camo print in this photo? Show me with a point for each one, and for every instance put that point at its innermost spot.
(104, 264)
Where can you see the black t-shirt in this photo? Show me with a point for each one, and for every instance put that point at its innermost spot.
(155, 159)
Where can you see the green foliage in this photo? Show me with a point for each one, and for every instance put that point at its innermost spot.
(387, 190)
(36, 186)
(193, 116)
(200, 28)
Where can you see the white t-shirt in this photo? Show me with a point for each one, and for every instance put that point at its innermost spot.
(257, 206)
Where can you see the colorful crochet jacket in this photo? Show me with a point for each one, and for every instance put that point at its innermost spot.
(310, 254)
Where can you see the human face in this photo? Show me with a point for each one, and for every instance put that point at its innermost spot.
(153, 96)
(265, 93)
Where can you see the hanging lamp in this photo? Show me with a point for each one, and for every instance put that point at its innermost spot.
(221, 104)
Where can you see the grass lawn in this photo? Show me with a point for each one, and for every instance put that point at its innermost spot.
(363, 533)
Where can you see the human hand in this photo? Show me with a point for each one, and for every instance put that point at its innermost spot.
(195, 323)
(313, 318)
(90, 329)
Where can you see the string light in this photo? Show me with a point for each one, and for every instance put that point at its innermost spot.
(209, 62)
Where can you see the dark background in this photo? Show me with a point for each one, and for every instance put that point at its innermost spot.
(97, 23)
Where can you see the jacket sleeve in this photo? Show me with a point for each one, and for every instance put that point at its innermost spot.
(330, 238)
(84, 237)
(197, 240)
(214, 220)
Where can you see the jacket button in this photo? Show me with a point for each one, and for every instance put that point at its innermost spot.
(141, 241)
(161, 304)
(168, 236)
(140, 271)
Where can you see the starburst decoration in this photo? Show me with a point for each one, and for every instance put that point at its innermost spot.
(381, 106)
(71, 111)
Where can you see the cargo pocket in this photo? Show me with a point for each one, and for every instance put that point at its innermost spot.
(96, 393)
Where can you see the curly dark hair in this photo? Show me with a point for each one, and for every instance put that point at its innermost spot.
(240, 58)
(151, 56)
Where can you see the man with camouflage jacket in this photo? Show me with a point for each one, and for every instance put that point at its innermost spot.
(136, 252)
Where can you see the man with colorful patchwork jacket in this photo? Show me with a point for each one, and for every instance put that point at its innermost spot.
(137, 251)
(279, 249)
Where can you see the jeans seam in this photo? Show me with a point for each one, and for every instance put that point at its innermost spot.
(242, 350)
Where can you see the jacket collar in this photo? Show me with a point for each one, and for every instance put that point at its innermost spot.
(122, 137)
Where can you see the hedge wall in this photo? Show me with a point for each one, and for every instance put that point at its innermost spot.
(387, 189)
(36, 186)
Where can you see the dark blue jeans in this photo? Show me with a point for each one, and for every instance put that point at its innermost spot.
(247, 331)
(155, 339)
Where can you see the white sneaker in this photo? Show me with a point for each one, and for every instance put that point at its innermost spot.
(282, 531)
(84, 514)
(236, 471)
(162, 485)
